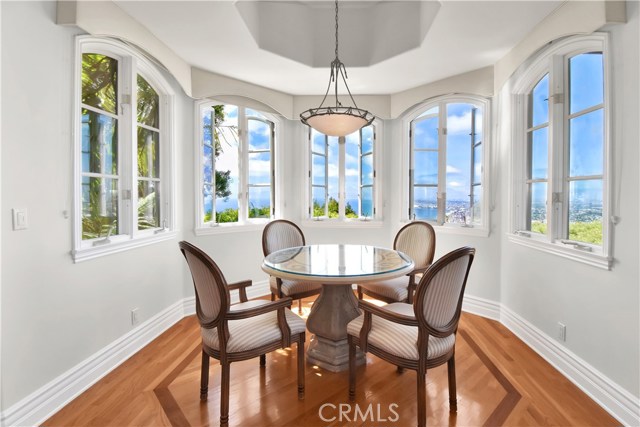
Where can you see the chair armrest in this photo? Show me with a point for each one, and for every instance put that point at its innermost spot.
(256, 311)
(240, 286)
(386, 314)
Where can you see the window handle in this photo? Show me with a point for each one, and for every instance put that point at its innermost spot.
(523, 233)
(106, 240)
(577, 245)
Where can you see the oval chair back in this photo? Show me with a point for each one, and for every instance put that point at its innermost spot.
(281, 234)
(418, 240)
(212, 294)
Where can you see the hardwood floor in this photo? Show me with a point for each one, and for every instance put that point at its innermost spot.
(500, 381)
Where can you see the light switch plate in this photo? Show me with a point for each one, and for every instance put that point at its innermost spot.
(20, 219)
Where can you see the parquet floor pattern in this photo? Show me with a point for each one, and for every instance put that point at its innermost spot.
(500, 382)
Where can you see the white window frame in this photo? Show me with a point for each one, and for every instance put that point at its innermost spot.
(131, 62)
(483, 228)
(244, 223)
(554, 60)
(376, 221)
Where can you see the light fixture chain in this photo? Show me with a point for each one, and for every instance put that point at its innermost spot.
(336, 29)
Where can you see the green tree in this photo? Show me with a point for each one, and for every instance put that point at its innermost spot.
(223, 178)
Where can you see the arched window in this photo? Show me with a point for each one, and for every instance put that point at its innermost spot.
(447, 140)
(560, 150)
(123, 139)
(237, 167)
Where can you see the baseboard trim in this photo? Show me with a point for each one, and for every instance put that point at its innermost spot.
(46, 401)
(53, 396)
(621, 404)
(481, 306)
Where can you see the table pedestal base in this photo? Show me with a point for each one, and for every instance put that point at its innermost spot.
(333, 310)
(332, 355)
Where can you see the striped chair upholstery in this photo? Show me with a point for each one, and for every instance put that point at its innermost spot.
(239, 332)
(417, 240)
(282, 234)
(400, 340)
(417, 336)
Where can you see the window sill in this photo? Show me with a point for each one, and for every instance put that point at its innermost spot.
(459, 230)
(92, 252)
(589, 258)
(336, 223)
(205, 230)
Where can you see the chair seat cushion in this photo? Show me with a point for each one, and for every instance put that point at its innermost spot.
(395, 288)
(292, 287)
(399, 340)
(254, 332)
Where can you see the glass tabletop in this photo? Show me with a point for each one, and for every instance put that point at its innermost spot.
(337, 262)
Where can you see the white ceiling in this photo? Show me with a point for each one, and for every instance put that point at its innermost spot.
(464, 36)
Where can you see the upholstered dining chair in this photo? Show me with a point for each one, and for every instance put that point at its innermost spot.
(418, 240)
(283, 234)
(242, 331)
(417, 336)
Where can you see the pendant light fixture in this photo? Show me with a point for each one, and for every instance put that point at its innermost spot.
(338, 120)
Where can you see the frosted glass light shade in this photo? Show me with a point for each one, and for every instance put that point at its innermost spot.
(338, 121)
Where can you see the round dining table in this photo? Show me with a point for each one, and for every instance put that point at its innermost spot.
(337, 267)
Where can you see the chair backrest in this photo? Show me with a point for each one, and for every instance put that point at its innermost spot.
(418, 240)
(212, 294)
(438, 299)
(281, 234)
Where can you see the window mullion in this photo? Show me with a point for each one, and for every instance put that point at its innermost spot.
(243, 163)
(342, 151)
(442, 163)
(557, 204)
(127, 194)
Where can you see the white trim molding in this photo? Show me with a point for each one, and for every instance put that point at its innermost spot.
(621, 404)
(481, 307)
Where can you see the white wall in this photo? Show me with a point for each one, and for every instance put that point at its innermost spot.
(57, 313)
(600, 308)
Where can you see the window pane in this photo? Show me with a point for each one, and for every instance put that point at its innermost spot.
(539, 153)
(538, 207)
(318, 169)
(430, 112)
(99, 82)
(317, 141)
(207, 164)
(476, 211)
(148, 104)
(207, 121)
(352, 174)
(586, 137)
(260, 168)
(585, 211)
(207, 202)
(318, 201)
(478, 126)
(148, 153)
(254, 113)
(259, 202)
(586, 81)
(477, 164)
(367, 139)
(458, 172)
(226, 168)
(367, 170)
(426, 133)
(259, 135)
(425, 203)
(148, 205)
(539, 111)
(367, 202)
(99, 207)
(425, 167)
(99, 143)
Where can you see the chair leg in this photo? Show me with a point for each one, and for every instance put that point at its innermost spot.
(360, 295)
(263, 360)
(204, 376)
(224, 397)
(453, 398)
(300, 306)
(273, 296)
(301, 366)
(422, 399)
(400, 369)
(352, 368)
